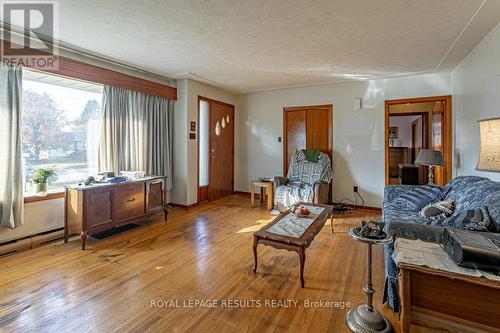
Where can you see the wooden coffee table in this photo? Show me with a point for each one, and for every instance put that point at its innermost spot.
(298, 244)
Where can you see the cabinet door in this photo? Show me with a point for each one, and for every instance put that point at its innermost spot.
(155, 196)
(99, 207)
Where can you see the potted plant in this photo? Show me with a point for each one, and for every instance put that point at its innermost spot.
(41, 176)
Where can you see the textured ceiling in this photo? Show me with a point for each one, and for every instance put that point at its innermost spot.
(251, 45)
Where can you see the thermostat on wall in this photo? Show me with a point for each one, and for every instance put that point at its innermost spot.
(357, 103)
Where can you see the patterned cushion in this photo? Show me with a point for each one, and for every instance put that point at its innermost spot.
(419, 196)
(438, 210)
(473, 219)
(290, 195)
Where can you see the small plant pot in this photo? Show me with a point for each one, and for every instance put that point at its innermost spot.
(40, 187)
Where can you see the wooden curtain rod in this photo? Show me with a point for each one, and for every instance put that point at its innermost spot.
(82, 71)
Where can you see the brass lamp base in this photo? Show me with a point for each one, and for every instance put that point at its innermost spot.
(364, 320)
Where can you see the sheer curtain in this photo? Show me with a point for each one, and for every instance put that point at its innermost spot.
(11, 178)
(136, 133)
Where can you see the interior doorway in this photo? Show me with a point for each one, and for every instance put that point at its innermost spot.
(415, 124)
(215, 149)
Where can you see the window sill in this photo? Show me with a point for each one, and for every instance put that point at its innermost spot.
(49, 196)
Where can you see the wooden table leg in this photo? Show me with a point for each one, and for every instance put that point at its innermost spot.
(252, 195)
(405, 301)
(269, 197)
(302, 256)
(331, 223)
(255, 242)
(261, 195)
(83, 238)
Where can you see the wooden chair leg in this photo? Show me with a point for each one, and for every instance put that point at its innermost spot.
(269, 198)
(252, 195)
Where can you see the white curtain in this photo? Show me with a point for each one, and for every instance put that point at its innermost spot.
(11, 178)
(136, 133)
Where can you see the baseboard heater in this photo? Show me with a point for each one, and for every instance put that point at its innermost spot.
(31, 242)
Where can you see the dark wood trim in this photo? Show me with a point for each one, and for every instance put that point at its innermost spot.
(447, 124)
(49, 196)
(82, 71)
(184, 207)
(209, 100)
(244, 193)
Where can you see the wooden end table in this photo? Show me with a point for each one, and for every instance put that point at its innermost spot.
(268, 186)
(297, 244)
(440, 300)
(442, 296)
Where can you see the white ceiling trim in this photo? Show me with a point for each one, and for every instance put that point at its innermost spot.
(479, 26)
(343, 81)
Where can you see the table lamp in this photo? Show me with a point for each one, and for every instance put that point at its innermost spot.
(430, 158)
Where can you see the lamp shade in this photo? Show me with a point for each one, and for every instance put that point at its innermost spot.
(429, 157)
(489, 149)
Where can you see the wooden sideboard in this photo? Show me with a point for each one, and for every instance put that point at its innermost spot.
(98, 207)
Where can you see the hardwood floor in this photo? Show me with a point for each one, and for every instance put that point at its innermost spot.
(201, 254)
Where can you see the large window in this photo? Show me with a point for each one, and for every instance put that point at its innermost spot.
(60, 127)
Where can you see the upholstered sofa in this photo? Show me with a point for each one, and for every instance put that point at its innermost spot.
(467, 192)
(307, 181)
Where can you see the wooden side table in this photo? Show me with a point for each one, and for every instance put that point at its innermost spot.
(440, 300)
(262, 185)
(437, 295)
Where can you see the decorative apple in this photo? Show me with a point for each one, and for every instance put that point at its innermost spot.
(302, 211)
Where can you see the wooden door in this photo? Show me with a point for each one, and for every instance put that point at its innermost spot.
(221, 129)
(307, 127)
(318, 122)
(295, 134)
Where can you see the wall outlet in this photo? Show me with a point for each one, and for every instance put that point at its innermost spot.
(355, 188)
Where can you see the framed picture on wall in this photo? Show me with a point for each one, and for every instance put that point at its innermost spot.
(393, 132)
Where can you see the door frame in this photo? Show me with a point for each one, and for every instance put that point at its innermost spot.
(305, 108)
(209, 100)
(447, 129)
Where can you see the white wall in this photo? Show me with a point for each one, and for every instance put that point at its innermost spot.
(185, 169)
(358, 136)
(476, 96)
(179, 167)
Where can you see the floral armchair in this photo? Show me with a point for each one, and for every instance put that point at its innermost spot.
(307, 180)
